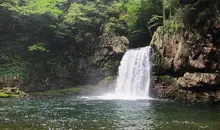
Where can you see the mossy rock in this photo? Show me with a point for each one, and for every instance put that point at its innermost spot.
(4, 95)
(168, 80)
(9, 92)
(11, 95)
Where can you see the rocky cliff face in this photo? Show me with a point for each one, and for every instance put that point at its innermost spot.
(186, 61)
(87, 64)
(186, 66)
(102, 58)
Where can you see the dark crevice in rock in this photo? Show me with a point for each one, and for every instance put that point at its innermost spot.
(204, 88)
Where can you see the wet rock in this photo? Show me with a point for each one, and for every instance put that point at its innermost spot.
(95, 60)
(190, 62)
(189, 56)
(198, 79)
(102, 59)
(175, 93)
(8, 92)
(199, 64)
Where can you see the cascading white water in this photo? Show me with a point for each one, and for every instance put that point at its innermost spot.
(134, 73)
(133, 81)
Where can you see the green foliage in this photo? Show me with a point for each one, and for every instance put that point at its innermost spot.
(13, 66)
(77, 14)
(66, 29)
(33, 7)
(38, 47)
(87, 21)
(171, 26)
(114, 24)
(185, 15)
(155, 21)
(138, 13)
(23, 24)
(131, 15)
(171, 4)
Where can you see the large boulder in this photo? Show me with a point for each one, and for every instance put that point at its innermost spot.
(186, 51)
(198, 79)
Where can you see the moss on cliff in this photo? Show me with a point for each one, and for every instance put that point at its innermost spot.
(168, 80)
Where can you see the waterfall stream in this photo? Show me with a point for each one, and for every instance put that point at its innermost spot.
(133, 80)
(134, 73)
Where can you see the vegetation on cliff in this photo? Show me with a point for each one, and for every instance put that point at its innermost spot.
(57, 44)
(187, 53)
(47, 44)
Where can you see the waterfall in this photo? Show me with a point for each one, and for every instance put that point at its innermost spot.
(133, 81)
(134, 73)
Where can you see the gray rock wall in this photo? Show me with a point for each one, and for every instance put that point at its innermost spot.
(186, 64)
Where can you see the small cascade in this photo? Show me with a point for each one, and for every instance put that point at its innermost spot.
(134, 74)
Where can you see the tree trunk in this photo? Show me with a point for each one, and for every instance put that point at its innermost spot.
(164, 15)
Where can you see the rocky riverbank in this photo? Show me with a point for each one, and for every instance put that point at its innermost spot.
(10, 87)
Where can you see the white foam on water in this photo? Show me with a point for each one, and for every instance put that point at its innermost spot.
(113, 96)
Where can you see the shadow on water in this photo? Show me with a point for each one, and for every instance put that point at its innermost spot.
(68, 112)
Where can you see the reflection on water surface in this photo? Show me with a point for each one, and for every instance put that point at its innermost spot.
(90, 113)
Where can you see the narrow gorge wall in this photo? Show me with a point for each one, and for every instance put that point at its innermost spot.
(186, 61)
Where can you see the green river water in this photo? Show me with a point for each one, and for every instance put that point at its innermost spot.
(91, 113)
